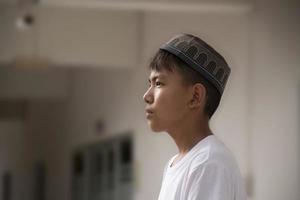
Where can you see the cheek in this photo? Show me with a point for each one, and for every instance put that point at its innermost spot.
(172, 104)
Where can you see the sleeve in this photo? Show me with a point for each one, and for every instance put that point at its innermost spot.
(210, 181)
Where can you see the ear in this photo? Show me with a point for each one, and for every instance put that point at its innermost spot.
(198, 96)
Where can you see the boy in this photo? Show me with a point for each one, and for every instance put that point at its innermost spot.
(187, 80)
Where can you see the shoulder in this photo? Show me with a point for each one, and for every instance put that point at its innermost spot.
(215, 170)
(213, 154)
(213, 167)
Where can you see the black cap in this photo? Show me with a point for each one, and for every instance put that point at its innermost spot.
(201, 57)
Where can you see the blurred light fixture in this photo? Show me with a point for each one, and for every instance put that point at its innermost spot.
(25, 14)
(25, 21)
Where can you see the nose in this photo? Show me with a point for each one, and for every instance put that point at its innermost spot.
(148, 96)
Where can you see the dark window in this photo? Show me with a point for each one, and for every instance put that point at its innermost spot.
(78, 164)
(111, 169)
(40, 181)
(7, 183)
(99, 163)
(126, 151)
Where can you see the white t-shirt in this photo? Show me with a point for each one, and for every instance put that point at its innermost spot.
(207, 172)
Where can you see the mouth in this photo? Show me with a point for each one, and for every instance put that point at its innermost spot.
(149, 113)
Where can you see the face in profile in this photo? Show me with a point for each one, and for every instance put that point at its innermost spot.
(166, 100)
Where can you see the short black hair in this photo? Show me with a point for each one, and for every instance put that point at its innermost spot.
(165, 60)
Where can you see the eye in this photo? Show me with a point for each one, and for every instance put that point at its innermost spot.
(157, 83)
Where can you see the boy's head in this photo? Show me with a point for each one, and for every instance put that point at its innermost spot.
(196, 63)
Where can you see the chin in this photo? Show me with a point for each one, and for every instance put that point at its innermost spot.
(155, 127)
(156, 130)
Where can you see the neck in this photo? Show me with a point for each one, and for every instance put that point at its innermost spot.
(189, 133)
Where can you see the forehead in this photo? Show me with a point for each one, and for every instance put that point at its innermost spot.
(164, 73)
(159, 74)
(170, 76)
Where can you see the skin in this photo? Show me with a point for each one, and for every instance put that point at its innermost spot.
(176, 108)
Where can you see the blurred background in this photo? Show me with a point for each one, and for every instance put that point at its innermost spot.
(72, 77)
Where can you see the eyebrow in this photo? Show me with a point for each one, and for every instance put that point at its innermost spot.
(153, 79)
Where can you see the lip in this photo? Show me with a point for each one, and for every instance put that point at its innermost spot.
(149, 113)
(148, 110)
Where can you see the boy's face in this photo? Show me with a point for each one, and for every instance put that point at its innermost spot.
(166, 100)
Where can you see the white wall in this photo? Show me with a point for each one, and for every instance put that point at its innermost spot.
(33, 82)
(88, 37)
(69, 37)
(7, 34)
(275, 100)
